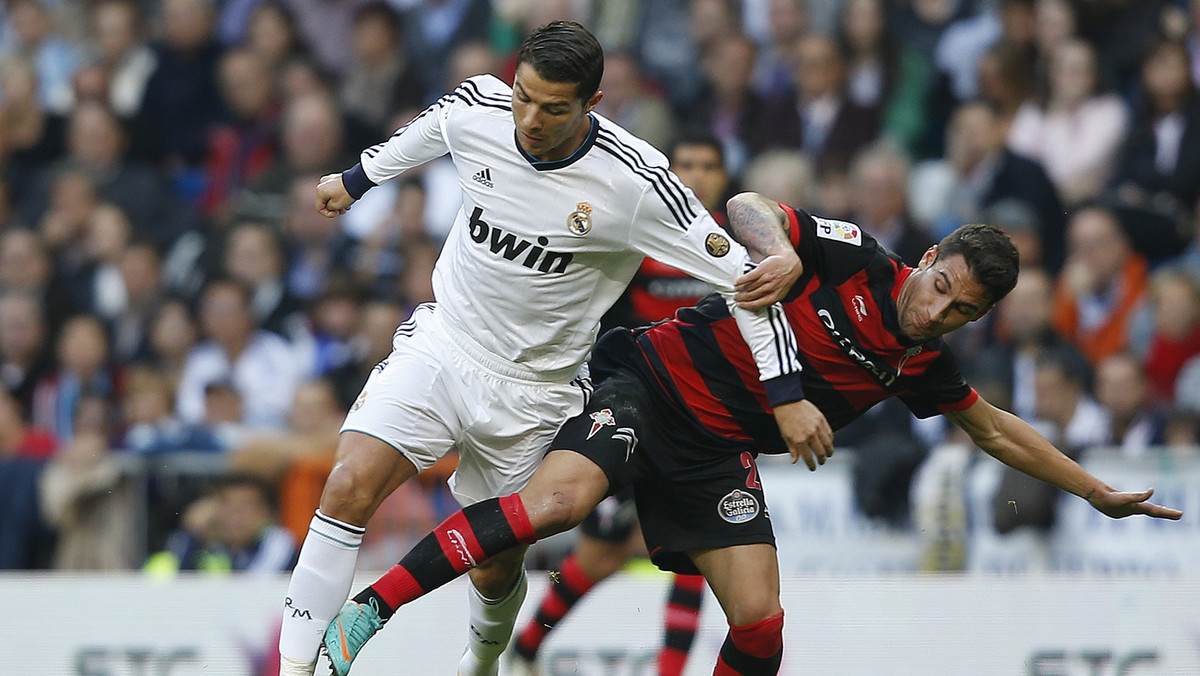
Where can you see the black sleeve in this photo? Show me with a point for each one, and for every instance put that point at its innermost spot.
(831, 250)
(939, 388)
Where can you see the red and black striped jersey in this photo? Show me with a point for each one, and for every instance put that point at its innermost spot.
(843, 313)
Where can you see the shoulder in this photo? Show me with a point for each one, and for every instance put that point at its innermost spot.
(614, 140)
(487, 91)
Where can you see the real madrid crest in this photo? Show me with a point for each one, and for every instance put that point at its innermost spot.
(716, 245)
(580, 220)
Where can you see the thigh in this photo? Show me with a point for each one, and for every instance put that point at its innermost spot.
(723, 508)
(405, 402)
(365, 471)
(744, 578)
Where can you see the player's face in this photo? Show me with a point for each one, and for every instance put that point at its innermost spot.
(940, 296)
(699, 167)
(551, 120)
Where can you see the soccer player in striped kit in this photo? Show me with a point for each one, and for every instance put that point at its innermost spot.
(560, 206)
(610, 534)
(678, 414)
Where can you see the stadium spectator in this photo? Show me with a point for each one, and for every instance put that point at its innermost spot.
(120, 48)
(883, 76)
(181, 99)
(783, 175)
(879, 180)
(1005, 371)
(88, 499)
(173, 334)
(254, 257)
(1067, 416)
(24, 359)
(318, 249)
(312, 140)
(258, 365)
(984, 172)
(53, 57)
(34, 137)
(633, 103)
(150, 426)
(243, 145)
(83, 369)
(818, 119)
(1174, 310)
(382, 78)
(1135, 422)
(730, 108)
(26, 541)
(272, 35)
(1075, 131)
(371, 344)
(232, 529)
(139, 267)
(1102, 284)
(96, 147)
(433, 30)
(786, 22)
(1159, 167)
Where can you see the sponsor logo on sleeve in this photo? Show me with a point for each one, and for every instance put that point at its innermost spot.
(716, 245)
(839, 231)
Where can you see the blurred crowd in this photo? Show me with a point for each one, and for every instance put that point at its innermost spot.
(167, 287)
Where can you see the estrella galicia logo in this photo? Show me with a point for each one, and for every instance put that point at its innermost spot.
(738, 506)
(509, 246)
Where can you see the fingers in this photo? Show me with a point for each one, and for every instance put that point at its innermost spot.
(802, 451)
(1160, 512)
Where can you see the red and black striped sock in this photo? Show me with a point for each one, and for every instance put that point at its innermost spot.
(465, 540)
(681, 619)
(752, 649)
(572, 584)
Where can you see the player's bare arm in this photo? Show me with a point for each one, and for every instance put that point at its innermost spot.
(332, 197)
(761, 226)
(805, 431)
(1014, 442)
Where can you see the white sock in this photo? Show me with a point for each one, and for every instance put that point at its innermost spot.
(320, 584)
(492, 624)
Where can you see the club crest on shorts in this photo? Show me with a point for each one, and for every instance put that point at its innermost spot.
(358, 403)
(599, 419)
(716, 245)
(580, 220)
(738, 506)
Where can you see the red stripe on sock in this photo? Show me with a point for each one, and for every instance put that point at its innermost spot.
(682, 618)
(671, 662)
(458, 542)
(514, 511)
(723, 669)
(574, 578)
(397, 587)
(691, 583)
(554, 606)
(762, 639)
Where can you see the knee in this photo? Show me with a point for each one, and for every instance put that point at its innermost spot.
(557, 510)
(351, 493)
(497, 575)
(755, 612)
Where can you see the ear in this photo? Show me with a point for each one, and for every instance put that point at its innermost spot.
(928, 258)
(591, 103)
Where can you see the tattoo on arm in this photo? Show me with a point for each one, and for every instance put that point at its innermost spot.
(758, 228)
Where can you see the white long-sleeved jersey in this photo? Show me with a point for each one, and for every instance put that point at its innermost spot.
(541, 250)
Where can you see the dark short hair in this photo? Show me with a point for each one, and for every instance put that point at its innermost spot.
(990, 256)
(698, 137)
(564, 51)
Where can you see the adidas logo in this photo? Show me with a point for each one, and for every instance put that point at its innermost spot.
(484, 178)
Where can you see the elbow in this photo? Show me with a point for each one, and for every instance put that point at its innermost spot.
(743, 200)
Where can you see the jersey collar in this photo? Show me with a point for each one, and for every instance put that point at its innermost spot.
(547, 165)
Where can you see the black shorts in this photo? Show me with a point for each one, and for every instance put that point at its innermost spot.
(692, 490)
(614, 519)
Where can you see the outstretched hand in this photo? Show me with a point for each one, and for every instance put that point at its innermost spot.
(769, 282)
(1120, 504)
(332, 197)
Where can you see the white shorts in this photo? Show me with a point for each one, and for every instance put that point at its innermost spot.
(436, 391)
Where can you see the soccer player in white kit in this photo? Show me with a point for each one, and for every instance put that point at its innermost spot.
(559, 208)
